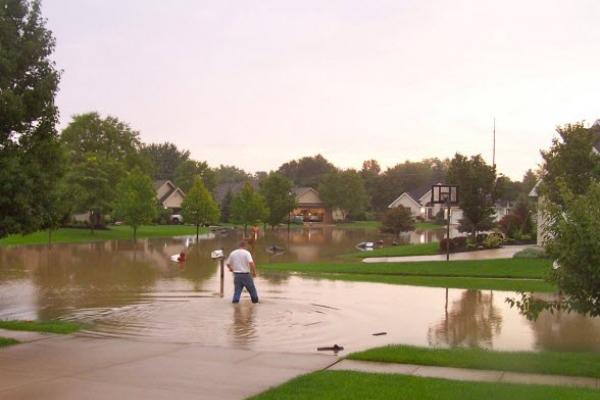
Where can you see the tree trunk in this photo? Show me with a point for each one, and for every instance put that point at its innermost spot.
(91, 221)
(49, 236)
(134, 233)
(197, 231)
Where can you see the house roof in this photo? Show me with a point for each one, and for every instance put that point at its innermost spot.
(159, 183)
(234, 187)
(420, 191)
(299, 191)
(172, 189)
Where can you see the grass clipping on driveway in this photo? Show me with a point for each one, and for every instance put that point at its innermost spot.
(544, 362)
(330, 385)
(7, 341)
(61, 327)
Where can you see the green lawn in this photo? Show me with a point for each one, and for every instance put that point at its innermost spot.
(334, 385)
(7, 341)
(62, 327)
(71, 235)
(498, 268)
(501, 274)
(422, 249)
(509, 285)
(545, 362)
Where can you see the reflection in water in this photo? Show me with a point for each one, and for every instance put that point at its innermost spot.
(134, 290)
(472, 321)
(566, 331)
(242, 329)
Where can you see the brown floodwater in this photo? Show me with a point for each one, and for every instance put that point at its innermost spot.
(135, 291)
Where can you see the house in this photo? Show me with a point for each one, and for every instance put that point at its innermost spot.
(311, 208)
(419, 202)
(541, 219)
(232, 188)
(168, 195)
(502, 208)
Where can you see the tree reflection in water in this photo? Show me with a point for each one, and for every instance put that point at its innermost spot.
(472, 321)
(563, 331)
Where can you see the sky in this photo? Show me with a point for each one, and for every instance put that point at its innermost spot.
(257, 83)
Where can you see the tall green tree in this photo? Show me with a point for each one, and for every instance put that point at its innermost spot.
(370, 173)
(397, 220)
(29, 161)
(187, 172)
(344, 190)
(307, 171)
(108, 139)
(136, 200)
(477, 192)
(91, 188)
(99, 151)
(165, 158)
(277, 192)
(198, 207)
(226, 207)
(570, 162)
(248, 207)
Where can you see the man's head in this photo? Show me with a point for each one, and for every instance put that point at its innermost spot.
(243, 244)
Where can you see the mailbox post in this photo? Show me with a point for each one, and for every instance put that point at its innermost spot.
(218, 255)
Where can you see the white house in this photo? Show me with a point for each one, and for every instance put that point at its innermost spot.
(419, 203)
(169, 195)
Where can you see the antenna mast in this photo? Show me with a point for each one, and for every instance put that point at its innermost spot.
(494, 146)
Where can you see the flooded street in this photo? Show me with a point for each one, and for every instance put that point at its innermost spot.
(134, 290)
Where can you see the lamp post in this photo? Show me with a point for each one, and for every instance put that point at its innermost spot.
(447, 195)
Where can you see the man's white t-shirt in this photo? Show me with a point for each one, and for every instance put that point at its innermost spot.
(239, 260)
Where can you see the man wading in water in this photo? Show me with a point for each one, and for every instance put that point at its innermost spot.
(241, 264)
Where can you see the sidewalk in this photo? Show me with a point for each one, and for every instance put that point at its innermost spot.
(503, 252)
(81, 367)
(463, 374)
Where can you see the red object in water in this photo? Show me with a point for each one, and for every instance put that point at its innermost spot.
(181, 257)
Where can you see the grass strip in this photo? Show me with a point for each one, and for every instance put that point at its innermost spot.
(511, 285)
(330, 385)
(421, 249)
(54, 326)
(544, 362)
(74, 235)
(7, 341)
(494, 268)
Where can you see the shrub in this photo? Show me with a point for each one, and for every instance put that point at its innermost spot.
(531, 252)
(493, 241)
(458, 243)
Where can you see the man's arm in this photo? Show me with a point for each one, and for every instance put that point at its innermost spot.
(228, 265)
(253, 268)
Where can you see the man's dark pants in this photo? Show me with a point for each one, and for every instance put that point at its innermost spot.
(241, 281)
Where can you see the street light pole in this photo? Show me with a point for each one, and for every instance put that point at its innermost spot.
(289, 210)
(448, 229)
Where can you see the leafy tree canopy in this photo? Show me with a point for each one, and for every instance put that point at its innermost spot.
(570, 161)
(136, 200)
(198, 207)
(164, 158)
(277, 192)
(187, 172)
(307, 171)
(397, 220)
(344, 190)
(248, 207)
(477, 192)
(30, 162)
(230, 174)
(404, 177)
